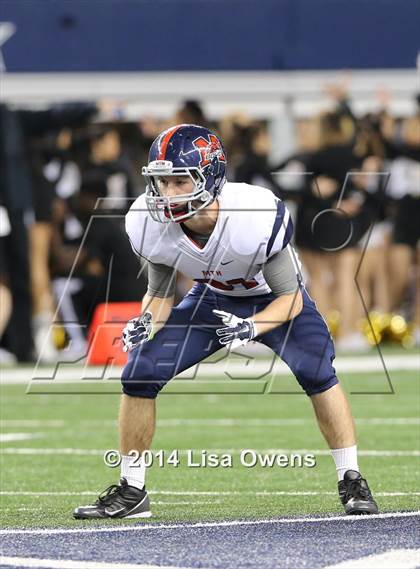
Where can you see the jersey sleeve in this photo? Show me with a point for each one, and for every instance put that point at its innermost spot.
(281, 231)
(161, 280)
(280, 273)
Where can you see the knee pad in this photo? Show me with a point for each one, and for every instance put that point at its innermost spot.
(140, 378)
(315, 374)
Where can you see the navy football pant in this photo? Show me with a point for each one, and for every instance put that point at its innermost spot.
(189, 336)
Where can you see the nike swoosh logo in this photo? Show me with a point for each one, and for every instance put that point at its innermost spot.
(113, 513)
(227, 262)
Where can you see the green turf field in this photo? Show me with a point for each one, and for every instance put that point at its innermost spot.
(73, 431)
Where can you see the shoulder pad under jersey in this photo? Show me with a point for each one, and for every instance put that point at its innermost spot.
(261, 222)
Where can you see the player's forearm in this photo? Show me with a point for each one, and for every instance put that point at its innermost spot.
(281, 310)
(160, 308)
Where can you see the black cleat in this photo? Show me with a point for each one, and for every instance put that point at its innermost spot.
(117, 501)
(355, 495)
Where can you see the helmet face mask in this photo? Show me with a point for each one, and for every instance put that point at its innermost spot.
(169, 208)
(184, 150)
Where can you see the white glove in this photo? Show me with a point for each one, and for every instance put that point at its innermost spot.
(237, 331)
(137, 331)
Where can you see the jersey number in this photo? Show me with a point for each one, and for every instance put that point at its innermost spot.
(229, 285)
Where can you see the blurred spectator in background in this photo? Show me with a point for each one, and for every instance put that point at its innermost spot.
(190, 112)
(402, 144)
(341, 197)
(104, 159)
(27, 198)
(92, 261)
(329, 224)
(6, 357)
(253, 149)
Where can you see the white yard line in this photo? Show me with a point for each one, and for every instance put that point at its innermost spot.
(50, 451)
(185, 503)
(392, 559)
(225, 422)
(99, 452)
(236, 367)
(76, 564)
(343, 518)
(10, 437)
(30, 423)
(27, 493)
(228, 422)
(204, 493)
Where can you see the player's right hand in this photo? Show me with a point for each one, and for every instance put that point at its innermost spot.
(137, 331)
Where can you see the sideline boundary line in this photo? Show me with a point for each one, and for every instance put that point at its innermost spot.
(343, 518)
(76, 564)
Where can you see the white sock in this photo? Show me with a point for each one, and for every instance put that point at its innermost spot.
(135, 475)
(345, 459)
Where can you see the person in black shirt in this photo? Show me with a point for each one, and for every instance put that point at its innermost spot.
(26, 201)
(92, 260)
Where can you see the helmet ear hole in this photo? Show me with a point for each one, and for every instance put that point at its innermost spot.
(205, 196)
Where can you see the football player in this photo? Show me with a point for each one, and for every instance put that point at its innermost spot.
(233, 240)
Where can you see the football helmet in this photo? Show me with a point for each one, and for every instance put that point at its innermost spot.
(184, 150)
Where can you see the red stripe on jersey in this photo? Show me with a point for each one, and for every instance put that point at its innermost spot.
(165, 141)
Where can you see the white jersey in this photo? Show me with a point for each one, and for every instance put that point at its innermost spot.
(252, 226)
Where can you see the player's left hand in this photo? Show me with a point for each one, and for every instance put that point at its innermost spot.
(237, 331)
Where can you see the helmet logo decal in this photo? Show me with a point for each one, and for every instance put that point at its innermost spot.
(209, 149)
